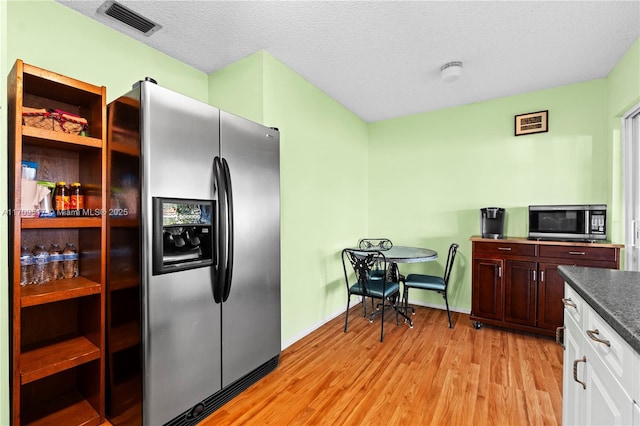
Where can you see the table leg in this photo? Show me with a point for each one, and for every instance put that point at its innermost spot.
(397, 277)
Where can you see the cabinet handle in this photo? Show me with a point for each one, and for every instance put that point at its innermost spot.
(504, 248)
(568, 302)
(593, 335)
(559, 331)
(534, 275)
(575, 371)
(499, 271)
(541, 276)
(578, 253)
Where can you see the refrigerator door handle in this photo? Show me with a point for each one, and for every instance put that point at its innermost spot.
(220, 268)
(229, 215)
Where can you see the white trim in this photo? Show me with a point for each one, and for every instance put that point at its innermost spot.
(336, 314)
(311, 329)
(631, 190)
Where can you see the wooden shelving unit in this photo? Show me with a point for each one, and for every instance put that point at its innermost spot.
(58, 328)
(123, 348)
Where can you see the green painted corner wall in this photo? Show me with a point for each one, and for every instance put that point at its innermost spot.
(323, 168)
(238, 88)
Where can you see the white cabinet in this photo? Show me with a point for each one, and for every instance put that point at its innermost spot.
(635, 393)
(600, 370)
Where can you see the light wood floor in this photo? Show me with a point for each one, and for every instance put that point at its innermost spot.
(428, 375)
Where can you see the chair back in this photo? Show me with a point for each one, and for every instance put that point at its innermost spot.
(375, 244)
(364, 264)
(453, 249)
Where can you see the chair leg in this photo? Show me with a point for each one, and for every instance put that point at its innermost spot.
(446, 301)
(346, 317)
(382, 322)
(405, 297)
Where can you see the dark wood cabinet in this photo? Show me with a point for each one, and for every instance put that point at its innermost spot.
(520, 292)
(57, 328)
(515, 282)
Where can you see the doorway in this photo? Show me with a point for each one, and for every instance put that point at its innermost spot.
(631, 156)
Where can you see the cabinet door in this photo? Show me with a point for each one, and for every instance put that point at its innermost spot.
(487, 288)
(606, 402)
(520, 292)
(572, 391)
(550, 294)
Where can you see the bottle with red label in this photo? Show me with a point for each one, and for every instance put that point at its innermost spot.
(76, 199)
(61, 199)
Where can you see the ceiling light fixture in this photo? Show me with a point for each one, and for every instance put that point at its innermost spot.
(451, 71)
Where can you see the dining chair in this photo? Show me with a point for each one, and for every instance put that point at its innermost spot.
(375, 244)
(431, 282)
(370, 281)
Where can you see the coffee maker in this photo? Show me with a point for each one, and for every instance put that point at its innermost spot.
(492, 222)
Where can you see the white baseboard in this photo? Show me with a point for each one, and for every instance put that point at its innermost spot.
(317, 325)
(311, 329)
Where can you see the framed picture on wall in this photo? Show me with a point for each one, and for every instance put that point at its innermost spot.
(532, 122)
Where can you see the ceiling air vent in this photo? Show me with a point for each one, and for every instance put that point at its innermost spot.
(128, 17)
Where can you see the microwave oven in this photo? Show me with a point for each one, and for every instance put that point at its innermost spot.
(584, 222)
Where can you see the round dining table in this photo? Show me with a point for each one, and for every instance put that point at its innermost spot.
(403, 254)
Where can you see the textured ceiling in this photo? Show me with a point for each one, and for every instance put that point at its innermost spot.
(382, 59)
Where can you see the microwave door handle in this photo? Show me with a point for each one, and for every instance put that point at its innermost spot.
(587, 222)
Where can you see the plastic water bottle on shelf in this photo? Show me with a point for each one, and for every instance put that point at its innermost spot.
(70, 261)
(26, 266)
(55, 262)
(41, 265)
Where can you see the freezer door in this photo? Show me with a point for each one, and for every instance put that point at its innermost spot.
(181, 321)
(251, 312)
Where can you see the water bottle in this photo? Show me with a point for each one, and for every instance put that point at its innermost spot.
(26, 266)
(41, 265)
(70, 261)
(55, 262)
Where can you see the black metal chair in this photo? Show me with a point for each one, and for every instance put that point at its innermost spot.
(375, 244)
(431, 282)
(370, 281)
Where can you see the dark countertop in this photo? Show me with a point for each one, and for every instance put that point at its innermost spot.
(613, 294)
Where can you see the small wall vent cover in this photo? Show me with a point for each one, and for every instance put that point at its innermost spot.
(127, 16)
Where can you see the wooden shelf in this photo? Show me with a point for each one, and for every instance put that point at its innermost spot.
(126, 149)
(64, 410)
(61, 140)
(121, 284)
(58, 329)
(55, 291)
(61, 222)
(117, 222)
(47, 360)
(124, 336)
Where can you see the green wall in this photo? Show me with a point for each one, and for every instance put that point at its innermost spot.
(37, 32)
(466, 158)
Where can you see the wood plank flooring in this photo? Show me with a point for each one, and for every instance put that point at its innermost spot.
(428, 375)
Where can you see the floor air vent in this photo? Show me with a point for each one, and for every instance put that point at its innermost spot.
(211, 404)
(129, 17)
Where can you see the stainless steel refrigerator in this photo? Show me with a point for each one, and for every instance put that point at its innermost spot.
(193, 294)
